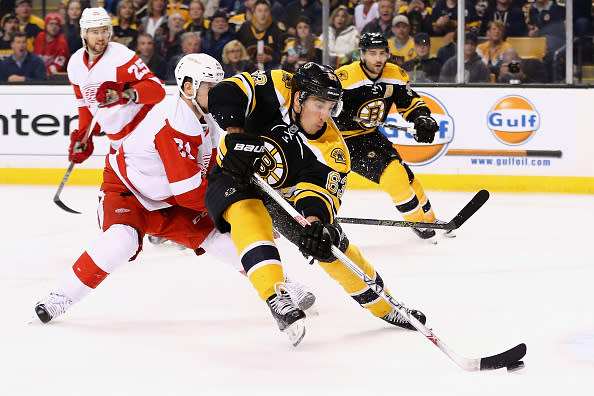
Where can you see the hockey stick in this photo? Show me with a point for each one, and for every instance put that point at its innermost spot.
(467, 211)
(374, 123)
(509, 358)
(77, 148)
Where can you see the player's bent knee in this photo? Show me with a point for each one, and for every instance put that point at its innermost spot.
(114, 247)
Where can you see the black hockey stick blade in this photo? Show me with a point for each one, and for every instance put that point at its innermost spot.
(504, 359)
(467, 211)
(57, 199)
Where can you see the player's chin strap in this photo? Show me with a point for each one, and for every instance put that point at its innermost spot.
(195, 86)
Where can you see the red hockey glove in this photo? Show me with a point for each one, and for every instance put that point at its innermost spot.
(110, 94)
(78, 153)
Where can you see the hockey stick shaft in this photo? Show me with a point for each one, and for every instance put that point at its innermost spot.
(493, 362)
(83, 142)
(467, 211)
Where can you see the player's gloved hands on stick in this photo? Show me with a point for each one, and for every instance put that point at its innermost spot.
(316, 240)
(426, 128)
(78, 152)
(112, 93)
(243, 156)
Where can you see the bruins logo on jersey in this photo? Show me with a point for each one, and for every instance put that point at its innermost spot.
(372, 110)
(273, 167)
(342, 75)
(338, 155)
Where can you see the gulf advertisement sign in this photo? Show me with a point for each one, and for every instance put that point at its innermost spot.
(414, 153)
(513, 120)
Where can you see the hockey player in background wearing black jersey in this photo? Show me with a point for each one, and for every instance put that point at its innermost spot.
(371, 86)
(279, 125)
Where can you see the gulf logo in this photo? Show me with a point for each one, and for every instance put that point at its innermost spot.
(513, 120)
(414, 153)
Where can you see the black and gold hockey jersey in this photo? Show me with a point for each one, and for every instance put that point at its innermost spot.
(310, 170)
(368, 100)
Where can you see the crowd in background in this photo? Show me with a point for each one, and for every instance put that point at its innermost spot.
(246, 35)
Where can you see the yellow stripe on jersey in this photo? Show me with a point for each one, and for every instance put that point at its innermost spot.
(326, 195)
(245, 82)
(416, 102)
(332, 154)
(282, 86)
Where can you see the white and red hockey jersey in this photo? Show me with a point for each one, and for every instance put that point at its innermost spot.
(120, 64)
(166, 160)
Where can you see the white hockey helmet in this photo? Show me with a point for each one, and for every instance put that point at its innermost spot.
(197, 68)
(92, 18)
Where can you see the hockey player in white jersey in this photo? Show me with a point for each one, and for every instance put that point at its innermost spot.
(155, 184)
(108, 74)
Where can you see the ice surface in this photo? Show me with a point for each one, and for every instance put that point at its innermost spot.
(171, 323)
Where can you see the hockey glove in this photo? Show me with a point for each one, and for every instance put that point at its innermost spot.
(316, 240)
(426, 128)
(110, 94)
(243, 156)
(77, 152)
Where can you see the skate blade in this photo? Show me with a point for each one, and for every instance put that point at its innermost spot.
(296, 332)
(307, 301)
(449, 234)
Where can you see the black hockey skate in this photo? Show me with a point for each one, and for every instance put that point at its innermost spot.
(393, 317)
(289, 318)
(427, 234)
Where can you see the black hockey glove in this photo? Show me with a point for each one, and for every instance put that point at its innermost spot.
(243, 157)
(316, 240)
(426, 128)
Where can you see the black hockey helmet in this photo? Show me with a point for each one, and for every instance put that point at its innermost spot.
(373, 40)
(320, 81)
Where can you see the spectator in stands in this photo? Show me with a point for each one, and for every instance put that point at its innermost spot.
(515, 70)
(22, 65)
(448, 48)
(124, 25)
(190, 44)
(197, 23)
(146, 52)
(215, 38)
(343, 36)
(8, 26)
(168, 41)
(547, 19)
(155, 17)
(52, 46)
(140, 10)
(512, 17)
(72, 25)
(491, 51)
(262, 27)
(301, 49)
(365, 12)
(474, 68)
(245, 13)
(180, 6)
(236, 59)
(383, 24)
(312, 9)
(419, 17)
(423, 68)
(446, 11)
(402, 45)
(28, 23)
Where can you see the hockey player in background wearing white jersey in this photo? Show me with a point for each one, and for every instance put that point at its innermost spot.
(155, 184)
(108, 73)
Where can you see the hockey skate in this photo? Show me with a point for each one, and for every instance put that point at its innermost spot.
(393, 317)
(300, 295)
(426, 234)
(52, 306)
(289, 318)
(446, 233)
(163, 241)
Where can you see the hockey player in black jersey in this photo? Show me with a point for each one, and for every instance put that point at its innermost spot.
(371, 86)
(279, 125)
